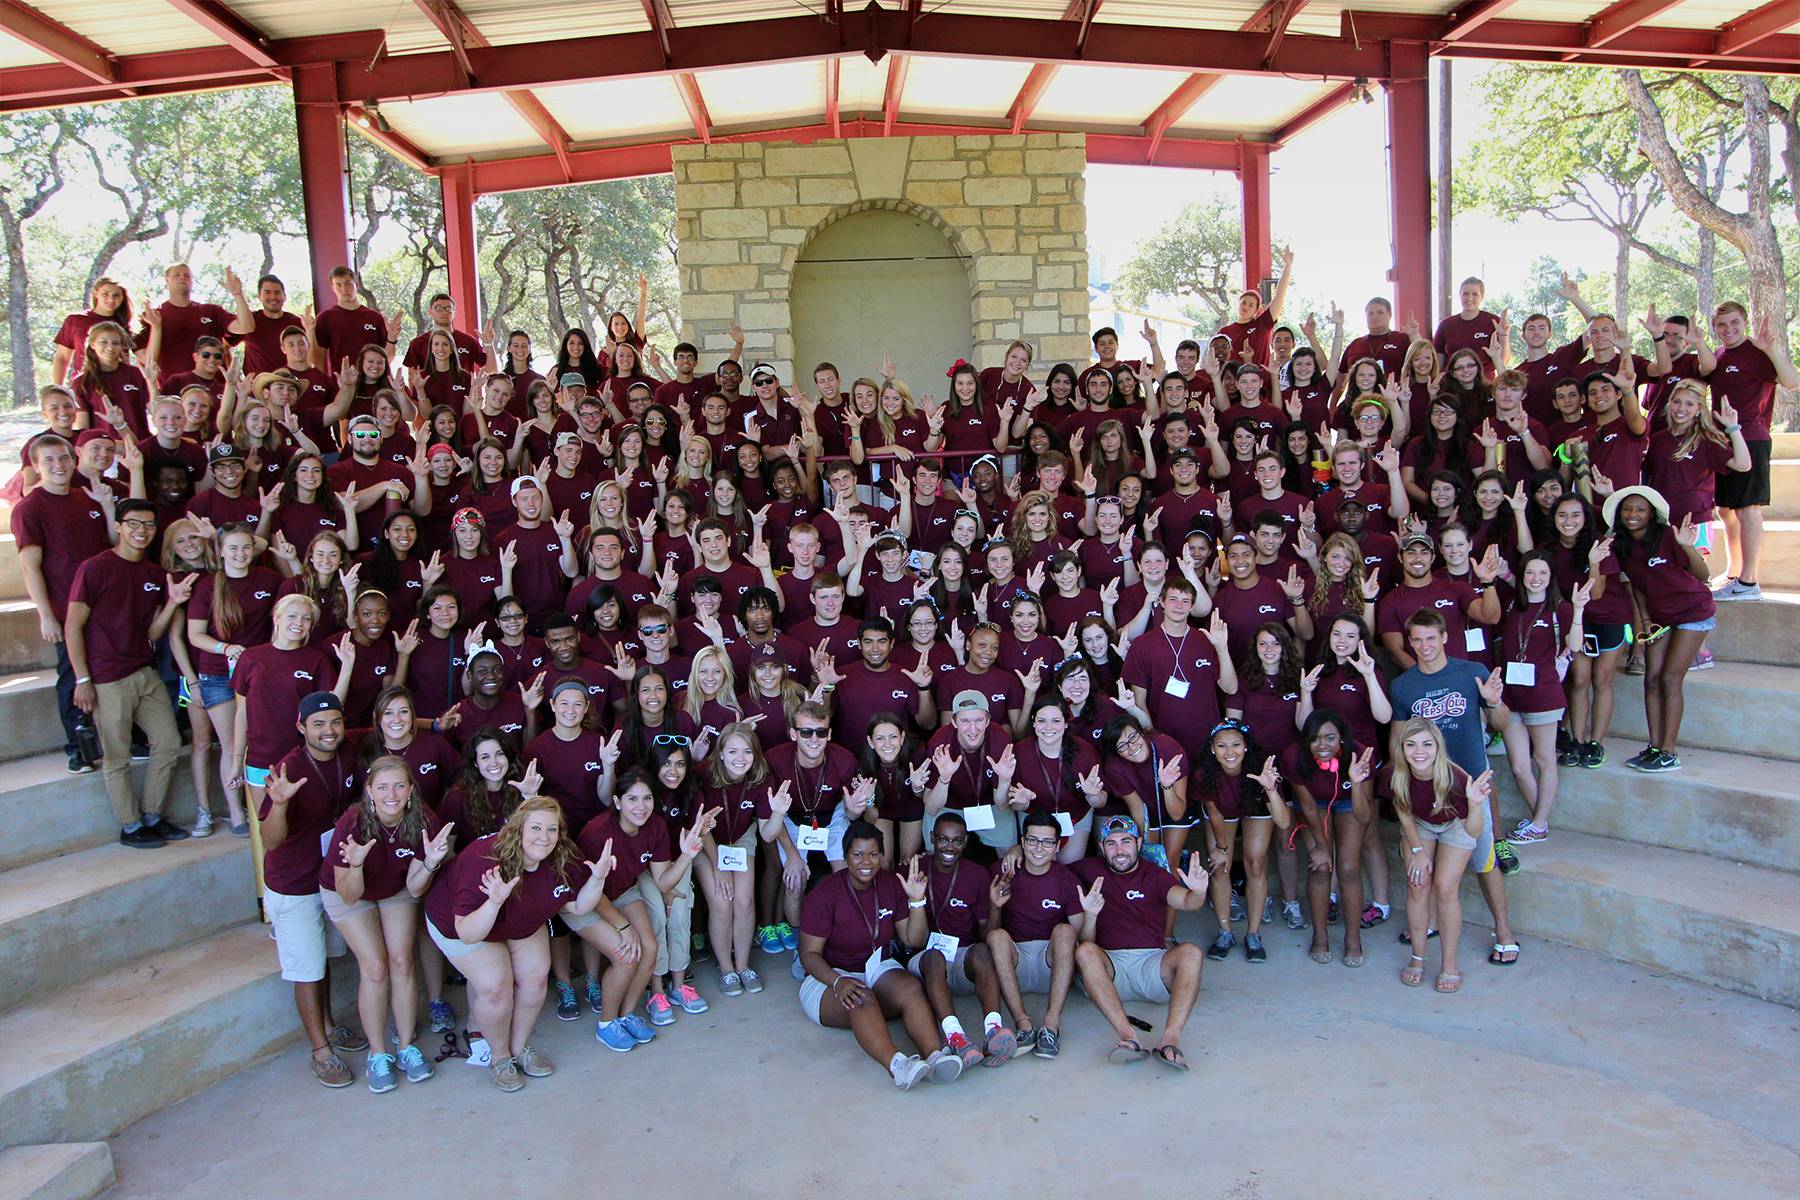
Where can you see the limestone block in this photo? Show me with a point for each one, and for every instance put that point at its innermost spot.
(999, 215)
(767, 193)
(702, 253)
(805, 216)
(1040, 141)
(688, 153)
(1001, 268)
(705, 306)
(750, 170)
(1009, 140)
(996, 190)
(767, 254)
(1037, 217)
(994, 308)
(716, 341)
(705, 195)
(977, 167)
(977, 142)
(932, 147)
(1002, 241)
(1047, 277)
(1055, 162)
(1075, 301)
(736, 278)
(1073, 139)
(787, 237)
(827, 191)
(1072, 218)
(734, 223)
(937, 193)
(775, 280)
(1005, 162)
(974, 241)
(1028, 243)
(704, 172)
(880, 167)
(951, 169)
(1039, 322)
(755, 149)
(1066, 348)
(1056, 241)
(807, 160)
(1008, 330)
(763, 316)
(1052, 185)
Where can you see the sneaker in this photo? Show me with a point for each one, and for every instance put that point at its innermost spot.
(1593, 755)
(1527, 834)
(1048, 1044)
(204, 826)
(965, 1050)
(943, 1067)
(790, 937)
(412, 1061)
(332, 1072)
(536, 1063)
(1253, 948)
(1220, 950)
(752, 981)
(240, 829)
(1704, 662)
(1570, 755)
(1737, 589)
(688, 997)
(1333, 914)
(1237, 906)
(794, 967)
(1494, 740)
(1634, 663)
(910, 1070)
(731, 984)
(443, 1017)
(567, 1007)
(638, 1028)
(79, 765)
(1290, 912)
(593, 996)
(140, 839)
(1505, 859)
(998, 1045)
(614, 1036)
(341, 1038)
(1374, 915)
(505, 1074)
(1025, 1042)
(768, 940)
(1663, 762)
(1636, 762)
(660, 1010)
(1268, 910)
(166, 830)
(381, 1073)
(140, 752)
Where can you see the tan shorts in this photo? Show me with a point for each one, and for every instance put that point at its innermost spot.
(338, 911)
(452, 946)
(812, 991)
(1033, 971)
(302, 939)
(1137, 975)
(956, 971)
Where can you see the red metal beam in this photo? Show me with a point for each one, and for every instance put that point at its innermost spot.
(1409, 180)
(1281, 14)
(1178, 102)
(1753, 27)
(1253, 186)
(695, 103)
(657, 13)
(364, 122)
(1313, 113)
(833, 74)
(58, 41)
(896, 87)
(1657, 47)
(226, 25)
(1030, 92)
(1617, 20)
(1472, 16)
(324, 176)
(458, 187)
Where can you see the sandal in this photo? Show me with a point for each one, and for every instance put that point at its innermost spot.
(1319, 956)
(1127, 1051)
(1501, 950)
(1353, 960)
(1413, 976)
(1406, 936)
(1172, 1057)
(1449, 982)
(1372, 916)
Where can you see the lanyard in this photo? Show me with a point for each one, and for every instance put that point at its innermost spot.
(937, 915)
(1175, 648)
(1155, 777)
(818, 792)
(872, 925)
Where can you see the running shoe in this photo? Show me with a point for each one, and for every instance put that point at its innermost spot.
(768, 940)
(1636, 762)
(1662, 763)
(1593, 755)
(567, 1007)
(381, 1073)
(1048, 1044)
(614, 1036)
(790, 937)
(1527, 834)
(999, 1045)
(1505, 859)
(1704, 661)
(593, 996)
(1737, 589)
(505, 1074)
(1237, 906)
(165, 830)
(203, 826)
(752, 982)
(1374, 915)
(1290, 912)
(638, 1028)
(908, 1071)
(1268, 909)
(443, 1017)
(1220, 950)
(412, 1061)
(535, 1063)
(731, 984)
(944, 1067)
(960, 1045)
(1253, 948)
(79, 765)
(1570, 755)
(688, 997)
(661, 1011)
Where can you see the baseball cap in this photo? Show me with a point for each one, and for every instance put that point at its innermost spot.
(1119, 824)
(890, 535)
(364, 419)
(968, 700)
(565, 437)
(523, 482)
(767, 652)
(318, 702)
(1184, 453)
(1415, 538)
(761, 369)
(224, 452)
(570, 379)
(90, 435)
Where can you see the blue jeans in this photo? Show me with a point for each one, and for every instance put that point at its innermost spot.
(65, 698)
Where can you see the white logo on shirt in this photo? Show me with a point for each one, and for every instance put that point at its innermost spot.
(1134, 894)
(306, 675)
(1053, 904)
(561, 889)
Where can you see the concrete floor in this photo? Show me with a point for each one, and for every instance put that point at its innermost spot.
(1569, 1075)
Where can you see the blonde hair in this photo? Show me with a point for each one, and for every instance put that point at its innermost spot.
(412, 817)
(1019, 536)
(682, 474)
(715, 763)
(1353, 582)
(509, 842)
(693, 702)
(1443, 771)
(906, 406)
(1704, 426)
(1419, 349)
(178, 528)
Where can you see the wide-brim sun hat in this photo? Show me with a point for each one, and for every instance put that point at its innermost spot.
(1610, 508)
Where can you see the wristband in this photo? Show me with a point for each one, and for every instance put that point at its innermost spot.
(84, 679)
(1733, 428)
(1661, 337)
(915, 904)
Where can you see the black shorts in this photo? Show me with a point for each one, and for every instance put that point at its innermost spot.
(1746, 489)
(1603, 638)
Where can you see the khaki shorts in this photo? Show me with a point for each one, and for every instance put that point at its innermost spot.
(453, 947)
(812, 991)
(1033, 971)
(1137, 975)
(956, 971)
(1455, 834)
(302, 939)
(338, 911)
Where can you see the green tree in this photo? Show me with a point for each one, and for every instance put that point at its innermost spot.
(1196, 255)
(31, 172)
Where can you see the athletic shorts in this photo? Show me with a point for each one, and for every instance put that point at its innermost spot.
(1746, 489)
(1529, 719)
(302, 939)
(956, 970)
(1603, 638)
(812, 991)
(1706, 626)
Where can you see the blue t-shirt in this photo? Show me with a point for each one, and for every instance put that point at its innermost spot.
(1451, 699)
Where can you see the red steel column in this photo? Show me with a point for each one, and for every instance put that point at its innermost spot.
(1253, 182)
(324, 175)
(1409, 180)
(458, 184)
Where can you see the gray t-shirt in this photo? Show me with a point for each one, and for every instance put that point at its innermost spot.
(1451, 699)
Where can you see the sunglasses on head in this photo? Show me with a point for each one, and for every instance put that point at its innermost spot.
(671, 739)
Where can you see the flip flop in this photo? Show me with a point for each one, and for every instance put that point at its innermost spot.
(1405, 938)
(1501, 948)
(1172, 1057)
(1413, 976)
(1448, 982)
(1127, 1051)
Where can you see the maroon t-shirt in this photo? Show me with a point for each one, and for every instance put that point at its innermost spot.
(436, 764)
(1617, 453)
(1040, 903)
(470, 353)
(126, 387)
(1450, 598)
(182, 326)
(262, 345)
(1532, 633)
(1268, 711)
(538, 579)
(1346, 694)
(68, 529)
(1672, 596)
(328, 787)
(373, 670)
(122, 598)
(571, 771)
(392, 855)
(1178, 513)
(632, 852)
(1543, 374)
(1136, 903)
(741, 806)
(222, 510)
(1326, 785)
(342, 332)
(272, 682)
(1687, 481)
(816, 790)
(1745, 375)
(1254, 333)
(853, 923)
(956, 901)
(1422, 798)
(256, 594)
(474, 580)
(1001, 687)
(174, 385)
(972, 783)
(1154, 661)
(1455, 332)
(507, 716)
(1055, 782)
(1388, 349)
(540, 894)
(1246, 608)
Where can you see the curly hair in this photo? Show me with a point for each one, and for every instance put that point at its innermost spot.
(1212, 775)
(1287, 670)
(1353, 581)
(509, 847)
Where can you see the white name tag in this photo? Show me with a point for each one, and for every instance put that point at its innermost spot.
(1065, 825)
(1474, 640)
(872, 967)
(981, 816)
(812, 838)
(944, 944)
(325, 847)
(1177, 688)
(734, 858)
(1521, 674)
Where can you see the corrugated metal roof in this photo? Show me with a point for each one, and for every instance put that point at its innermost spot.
(1110, 96)
(622, 108)
(452, 126)
(1255, 104)
(960, 87)
(127, 26)
(14, 53)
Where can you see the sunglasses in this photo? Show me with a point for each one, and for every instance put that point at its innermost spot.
(652, 630)
(812, 731)
(209, 356)
(366, 433)
(968, 512)
(671, 739)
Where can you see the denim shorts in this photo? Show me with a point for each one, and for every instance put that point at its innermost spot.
(1705, 626)
(216, 690)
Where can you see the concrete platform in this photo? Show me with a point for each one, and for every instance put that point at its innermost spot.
(21, 647)
(28, 714)
(69, 1171)
(1780, 555)
(1763, 631)
(45, 811)
(1568, 1075)
(1743, 708)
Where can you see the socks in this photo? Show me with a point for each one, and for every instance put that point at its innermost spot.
(991, 1022)
(952, 1027)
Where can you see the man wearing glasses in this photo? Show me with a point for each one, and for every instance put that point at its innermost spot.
(818, 773)
(1033, 948)
(372, 475)
(119, 605)
(655, 644)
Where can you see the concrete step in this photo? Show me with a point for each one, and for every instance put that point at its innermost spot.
(66, 919)
(45, 811)
(1780, 555)
(63, 1171)
(28, 714)
(88, 1061)
(1720, 923)
(1726, 806)
(1759, 631)
(1743, 708)
(1784, 489)
(12, 580)
(1787, 445)
(21, 648)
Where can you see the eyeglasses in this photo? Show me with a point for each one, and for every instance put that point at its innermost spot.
(812, 731)
(1043, 843)
(671, 739)
(512, 616)
(651, 630)
(131, 523)
(210, 356)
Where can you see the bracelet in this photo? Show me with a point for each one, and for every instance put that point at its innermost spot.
(1733, 428)
(84, 679)
(1416, 849)
(915, 904)
(624, 927)
(1661, 337)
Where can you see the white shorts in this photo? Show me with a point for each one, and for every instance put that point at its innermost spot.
(338, 911)
(812, 991)
(956, 971)
(453, 947)
(302, 939)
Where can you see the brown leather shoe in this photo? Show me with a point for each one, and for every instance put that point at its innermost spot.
(331, 1071)
(505, 1074)
(535, 1063)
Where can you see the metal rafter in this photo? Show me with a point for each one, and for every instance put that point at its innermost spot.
(226, 25)
(1315, 112)
(896, 86)
(1472, 16)
(461, 33)
(1272, 18)
(833, 79)
(1753, 27)
(1038, 78)
(58, 41)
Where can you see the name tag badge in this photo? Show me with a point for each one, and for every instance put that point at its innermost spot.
(872, 967)
(981, 816)
(734, 858)
(1064, 825)
(812, 838)
(325, 847)
(1475, 641)
(1177, 688)
(944, 944)
(1521, 674)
